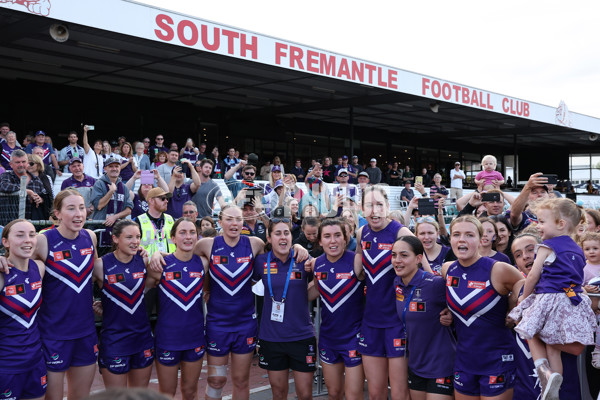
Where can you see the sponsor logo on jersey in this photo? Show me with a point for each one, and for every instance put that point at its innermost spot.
(173, 276)
(195, 274)
(476, 285)
(366, 245)
(54, 356)
(384, 246)
(212, 343)
(220, 260)
(296, 275)
(116, 278)
(36, 285)
(321, 276)
(399, 294)
(452, 281)
(496, 379)
(14, 290)
(418, 306)
(62, 255)
(241, 260)
(399, 342)
(343, 275)
(85, 252)
(138, 275)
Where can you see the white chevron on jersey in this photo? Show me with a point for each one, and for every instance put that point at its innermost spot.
(185, 289)
(18, 318)
(337, 286)
(379, 275)
(77, 268)
(21, 299)
(224, 286)
(374, 260)
(67, 282)
(474, 292)
(230, 273)
(176, 301)
(124, 306)
(125, 288)
(479, 313)
(341, 301)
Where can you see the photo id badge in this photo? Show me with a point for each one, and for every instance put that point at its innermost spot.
(162, 247)
(277, 311)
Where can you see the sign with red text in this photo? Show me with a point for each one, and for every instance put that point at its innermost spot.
(144, 21)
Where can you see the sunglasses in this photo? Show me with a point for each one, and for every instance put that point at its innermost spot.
(426, 219)
(278, 220)
(160, 138)
(250, 173)
(162, 198)
(31, 164)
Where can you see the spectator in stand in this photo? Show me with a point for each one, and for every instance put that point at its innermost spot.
(182, 191)
(231, 161)
(509, 183)
(110, 198)
(208, 190)
(289, 181)
(166, 170)
(10, 182)
(157, 147)
(72, 150)
(107, 150)
(49, 158)
(93, 163)
(128, 167)
(146, 142)
(276, 175)
(343, 190)
(254, 225)
(363, 182)
(426, 177)
(265, 170)
(173, 146)
(437, 190)
(140, 205)
(534, 191)
(140, 160)
(235, 186)
(555, 194)
(385, 175)
(408, 175)
(317, 195)
(121, 140)
(80, 181)
(328, 170)
(407, 193)
(277, 162)
(28, 139)
(114, 146)
(395, 175)
(218, 169)
(159, 160)
(8, 146)
(189, 151)
(202, 152)
(457, 176)
(4, 129)
(357, 167)
(352, 172)
(298, 171)
(374, 172)
(36, 169)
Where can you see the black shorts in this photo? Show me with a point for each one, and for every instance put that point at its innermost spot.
(442, 385)
(299, 355)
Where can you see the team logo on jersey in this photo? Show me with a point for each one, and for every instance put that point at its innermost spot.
(198, 350)
(344, 275)
(384, 246)
(250, 340)
(85, 252)
(399, 294)
(310, 359)
(212, 343)
(44, 380)
(138, 275)
(418, 292)
(399, 342)
(443, 381)
(36, 285)
(366, 245)
(148, 353)
(352, 353)
(241, 260)
(321, 276)
(496, 379)
(452, 281)
(194, 274)
(476, 285)
(116, 278)
(62, 255)
(418, 306)
(14, 290)
(173, 276)
(54, 356)
(296, 275)
(220, 260)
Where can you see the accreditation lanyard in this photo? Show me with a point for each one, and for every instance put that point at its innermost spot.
(407, 304)
(278, 307)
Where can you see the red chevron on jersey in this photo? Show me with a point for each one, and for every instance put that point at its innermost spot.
(20, 309)
(128, 299)
(183, 296)
(74, 276)
(468, 308)
(228, 280)
(335, 297)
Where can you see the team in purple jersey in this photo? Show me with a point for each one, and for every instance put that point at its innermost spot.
(126, 342)
(179, 331)
(476, 292)
(22, 366)
(428, 232)
(382, 332)
(342, 307)
(489, 240)
(421, 305)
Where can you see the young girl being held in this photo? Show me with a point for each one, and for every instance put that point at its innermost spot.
(489, 178)
(590, 242)
(555, 315)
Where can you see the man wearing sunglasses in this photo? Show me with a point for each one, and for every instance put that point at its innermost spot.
(156, 224)
(248, 176)
(157, 147)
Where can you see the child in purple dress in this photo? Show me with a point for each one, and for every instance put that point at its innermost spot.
(555, 315)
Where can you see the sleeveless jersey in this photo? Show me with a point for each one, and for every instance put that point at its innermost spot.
(20, 299)
(125, 325)
(5, 156)
(139, 207)
(485, 345)
(436, 263)
(231, 304)
(342, 300)
(180, 324)
(565, 270)
(380, 307)
(66, 312)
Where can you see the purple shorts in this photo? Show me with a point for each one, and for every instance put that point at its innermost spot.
(26, 385)
(382, 342)
(122, 364)
(484, 385)
(345, 352)
(219, 343)
(174, 357)
(60, 355)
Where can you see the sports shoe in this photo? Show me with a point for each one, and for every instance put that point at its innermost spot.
(552, 387)
(596, 357)
(543, 373)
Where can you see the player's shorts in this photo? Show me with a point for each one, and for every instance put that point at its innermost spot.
(220, 343)
(348, 353)
(174, 357)
(484, 385)
(123, 364)
(298, 355)
(382, 342)
(443, 385)
(60, 355)
(26, 385)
